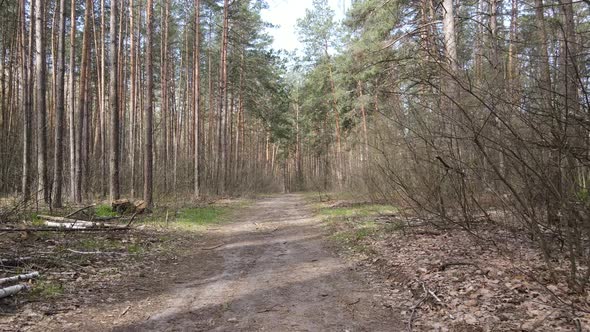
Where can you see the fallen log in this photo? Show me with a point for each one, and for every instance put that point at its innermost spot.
(63, 225)
(73, 223)
(8, 291)
(19, 277)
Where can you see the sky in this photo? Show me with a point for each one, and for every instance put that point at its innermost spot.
(284, 13)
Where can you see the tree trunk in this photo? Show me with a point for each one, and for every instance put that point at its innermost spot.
(72, 99)
(59, 108)
(197, 95)
(40, 103)
(28, 114)
(114, 191)
(221, 164)
(148, 116)
(165, 101)
(80, 128)
(132, 97)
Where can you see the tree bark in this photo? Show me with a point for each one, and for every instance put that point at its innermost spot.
(40, 102)
(114, 191)
(81, 122)
(27, 95)
(72, 100)
(148, 116)
(59, 108)
(221, 163)
(197, 95)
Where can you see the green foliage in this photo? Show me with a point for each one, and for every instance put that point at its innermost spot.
(36, 221)
(104, 210)
(44, 289)
(583, 195)
(352, 226)
(202, 215)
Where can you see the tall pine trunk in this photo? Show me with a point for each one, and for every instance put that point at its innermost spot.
(148, 116)
(197, 94)
(59, 108)
(26, 55)
(114, 191)
(40, 102)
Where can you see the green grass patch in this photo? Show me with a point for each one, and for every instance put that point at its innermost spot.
(202, 215)
(353, 237)
(99, 244)
(36, 221)
(104, 211)
(352, 226)
(46, 289)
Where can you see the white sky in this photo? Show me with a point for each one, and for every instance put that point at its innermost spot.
(285, 13)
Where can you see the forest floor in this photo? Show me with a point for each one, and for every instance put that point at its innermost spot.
(290, 263)
(269, 269)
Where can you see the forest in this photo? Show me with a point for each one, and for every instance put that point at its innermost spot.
(469, 115)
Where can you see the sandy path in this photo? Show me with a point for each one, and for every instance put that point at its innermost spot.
(272, 273)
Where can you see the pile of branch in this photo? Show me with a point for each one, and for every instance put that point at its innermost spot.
(13, 289)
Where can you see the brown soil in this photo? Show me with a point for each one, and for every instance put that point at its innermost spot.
(269, 270)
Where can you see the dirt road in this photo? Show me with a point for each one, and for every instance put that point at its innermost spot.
(269, 270)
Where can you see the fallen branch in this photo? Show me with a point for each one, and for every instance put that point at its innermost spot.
(124, 311)
(80, 210)
(131, 220)
(428, 291)
(95, 252)
(8, 291)
(19, 277)
(413, 311)
(214, 247)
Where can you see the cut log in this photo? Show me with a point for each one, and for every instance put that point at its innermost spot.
(8, 291)
(140, 206)
(123, 206)
(19, 277)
